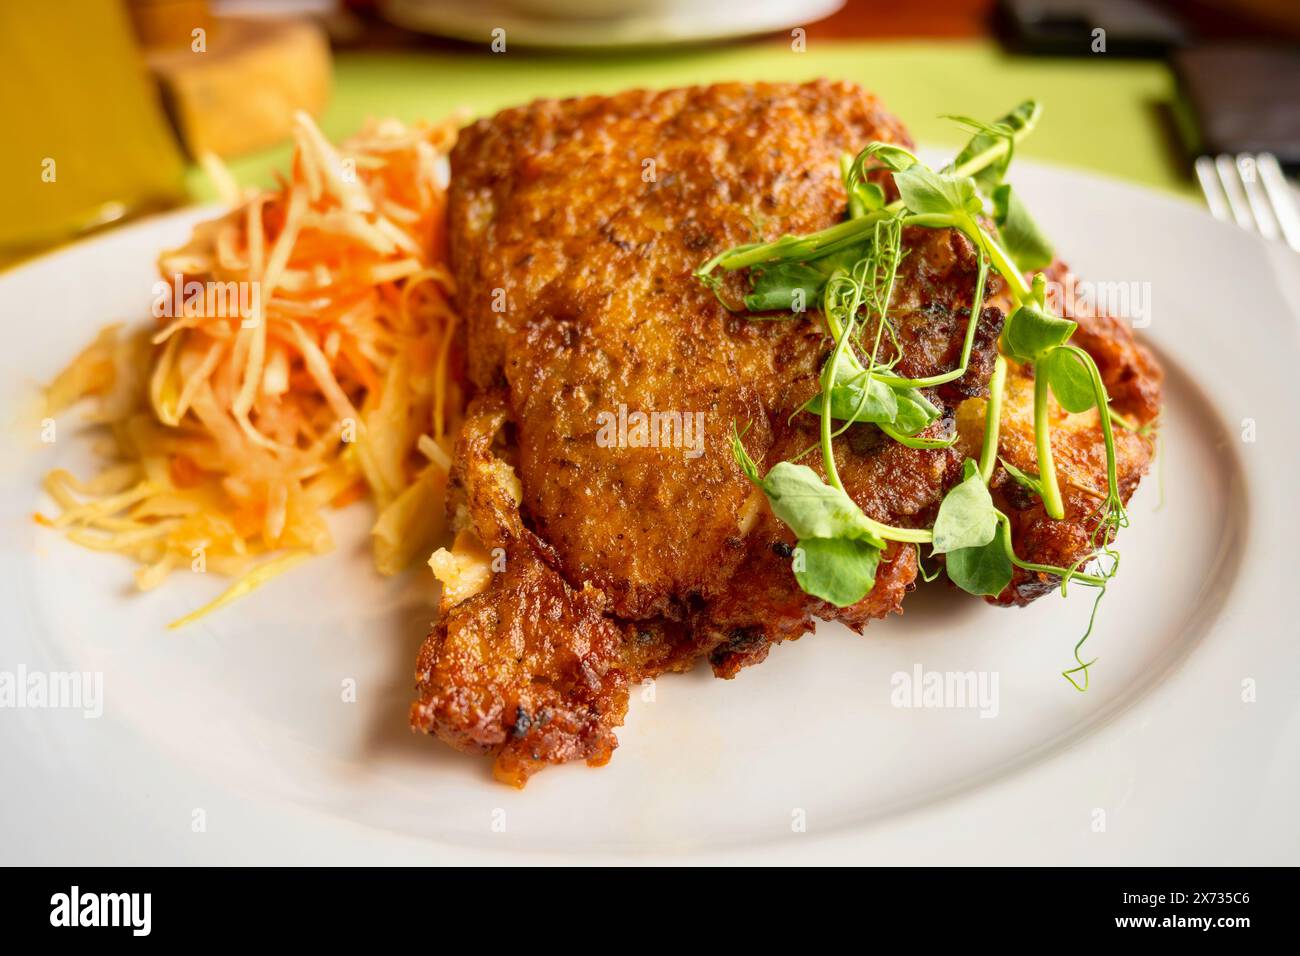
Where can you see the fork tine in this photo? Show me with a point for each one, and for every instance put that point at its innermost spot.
(1280, 198)
(1248, 170)
(1212, 189)
(1232, 188)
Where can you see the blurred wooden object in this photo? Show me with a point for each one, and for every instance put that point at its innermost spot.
(168, 23)
(232, 86)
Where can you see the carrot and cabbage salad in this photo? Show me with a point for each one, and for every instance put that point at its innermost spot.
(307, 362)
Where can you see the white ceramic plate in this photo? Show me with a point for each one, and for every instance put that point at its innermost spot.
(602, 24)
(238, 722)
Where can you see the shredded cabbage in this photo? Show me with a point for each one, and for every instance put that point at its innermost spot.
(329, 376)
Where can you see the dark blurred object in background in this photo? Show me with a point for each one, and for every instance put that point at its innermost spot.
(1148, 28)
(1242, 98)
(1079, 27)
(1238, 74)
(1216, 20)
(1203, 19)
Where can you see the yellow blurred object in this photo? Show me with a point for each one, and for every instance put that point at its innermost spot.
(235, 88)
(86, 141)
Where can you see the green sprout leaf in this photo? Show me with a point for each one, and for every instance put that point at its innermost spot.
(1070, 380)
(797, 286)
(849, 404)
(926, 192)
(785, 286)
(812, 508)
(1032, 332)
(967, 518)
(905, 408)
(866, 196)
(880, 155)
(838, 550)
(742, 456)
(870, 195)
(915, 412)
(1024, 480)
(838, 570)
(1020, 234)
(1007, 128)
(985, 570)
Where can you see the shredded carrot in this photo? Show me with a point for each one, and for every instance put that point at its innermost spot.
(305, 364)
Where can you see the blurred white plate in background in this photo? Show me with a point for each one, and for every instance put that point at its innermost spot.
(603, 23)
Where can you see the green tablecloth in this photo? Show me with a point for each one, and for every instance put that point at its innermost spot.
(1101, 113)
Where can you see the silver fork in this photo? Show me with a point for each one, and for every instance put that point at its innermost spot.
(1252, 192)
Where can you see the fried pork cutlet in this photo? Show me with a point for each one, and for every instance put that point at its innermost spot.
(576, 226)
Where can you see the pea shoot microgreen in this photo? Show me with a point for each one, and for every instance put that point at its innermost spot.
(967, 518)
(849, 270)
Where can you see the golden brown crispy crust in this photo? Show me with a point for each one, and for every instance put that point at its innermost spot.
(592, 250)
(746, 622)
(480, 674)
(530, 670)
